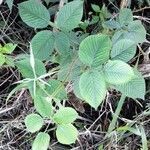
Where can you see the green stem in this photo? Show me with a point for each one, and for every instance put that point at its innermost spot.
(53, 25)
(116, 114)
(144, 138)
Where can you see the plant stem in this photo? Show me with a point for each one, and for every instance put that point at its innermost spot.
(53, 25)
(144, 138)
(116, 114)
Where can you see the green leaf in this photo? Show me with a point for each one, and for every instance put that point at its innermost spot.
(105, 13)
(43, 44)
(2, 59)
(10, 4)
(8, 48)
(117, 72)
(123, 50)
(136, 32)
(135, 88)
(53, 10)
(10, 61)
(94, 50)
(112, 24)
(125, 16)
(41, 141)
(96, 8)
(119, 35)
(66, 134)
(65, 115)
(56, 89)
(70, 71)
(94, 20)
(33, 122)
(62, 42)
(92, 87)
(76, 89)
(2, 24)
(134, 130)
(26, 69)
(63, 58)
(34, 14)
(43, 105)
(70, 15)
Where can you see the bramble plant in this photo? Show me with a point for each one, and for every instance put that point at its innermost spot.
(4, 51)
(93, 64)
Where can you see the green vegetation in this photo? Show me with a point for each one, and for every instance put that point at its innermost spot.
(93, 64)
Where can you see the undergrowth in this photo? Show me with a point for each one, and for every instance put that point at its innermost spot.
(69, 75)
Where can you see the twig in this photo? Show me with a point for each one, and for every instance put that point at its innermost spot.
(141, 9)
(6, 110)
(142, 18)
